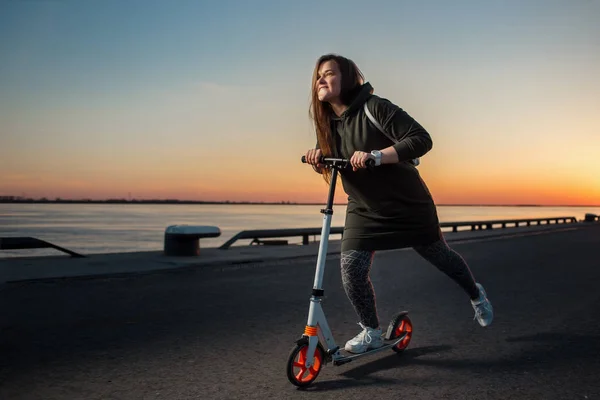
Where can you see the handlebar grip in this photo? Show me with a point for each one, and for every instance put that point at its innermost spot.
(320, 159)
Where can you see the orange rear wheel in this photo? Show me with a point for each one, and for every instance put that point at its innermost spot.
(297, 372)
(402, 327)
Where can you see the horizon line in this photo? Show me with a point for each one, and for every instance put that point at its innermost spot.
(58, 200)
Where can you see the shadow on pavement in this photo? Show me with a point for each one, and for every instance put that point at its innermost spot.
(339, 384)
(359, 376)
(542, 352)
(393, 361)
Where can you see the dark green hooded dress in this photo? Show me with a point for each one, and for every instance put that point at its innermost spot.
(389, 206)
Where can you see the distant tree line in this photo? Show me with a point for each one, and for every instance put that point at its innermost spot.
(20, 199)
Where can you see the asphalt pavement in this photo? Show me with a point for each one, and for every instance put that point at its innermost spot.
(225, 333)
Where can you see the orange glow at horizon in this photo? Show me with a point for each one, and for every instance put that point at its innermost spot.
(453, 172)
(303, 186)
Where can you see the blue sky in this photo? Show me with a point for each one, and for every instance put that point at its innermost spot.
(105, 91)
(60, 46)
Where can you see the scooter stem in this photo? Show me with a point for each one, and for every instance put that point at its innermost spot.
(323, 244)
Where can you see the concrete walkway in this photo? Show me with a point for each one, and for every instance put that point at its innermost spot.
(62, 266)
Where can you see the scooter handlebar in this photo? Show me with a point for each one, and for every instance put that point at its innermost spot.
(337, 161)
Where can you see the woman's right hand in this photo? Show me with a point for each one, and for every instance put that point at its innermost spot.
(312, 157)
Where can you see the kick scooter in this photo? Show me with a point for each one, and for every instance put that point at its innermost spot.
(317, 347)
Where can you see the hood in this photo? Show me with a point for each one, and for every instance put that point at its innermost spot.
(358, 98)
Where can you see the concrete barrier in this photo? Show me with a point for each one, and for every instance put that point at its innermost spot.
(184, 240)
(589, 217)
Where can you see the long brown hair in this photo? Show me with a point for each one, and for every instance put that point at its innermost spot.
(320, 112)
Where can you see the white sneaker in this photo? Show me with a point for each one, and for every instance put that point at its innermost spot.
(368, 339)
(484, 312)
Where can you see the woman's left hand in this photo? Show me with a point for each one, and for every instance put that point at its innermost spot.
(359, 160)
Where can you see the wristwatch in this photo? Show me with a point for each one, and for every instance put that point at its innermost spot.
(377, 157)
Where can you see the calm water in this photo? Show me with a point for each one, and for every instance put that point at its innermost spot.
(107, 228)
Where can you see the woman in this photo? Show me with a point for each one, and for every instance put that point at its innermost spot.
(389, 206)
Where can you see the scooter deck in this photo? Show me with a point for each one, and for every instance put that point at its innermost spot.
(388, 344)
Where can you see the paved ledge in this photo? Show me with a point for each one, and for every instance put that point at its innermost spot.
(61, 267)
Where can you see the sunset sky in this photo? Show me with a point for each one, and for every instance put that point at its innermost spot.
(207, 100)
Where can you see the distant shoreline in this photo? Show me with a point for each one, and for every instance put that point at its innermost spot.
(187, 202)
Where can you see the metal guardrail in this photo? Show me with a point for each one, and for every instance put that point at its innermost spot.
(475, 225)
(258, 234)
(23, 243)
(305, 233)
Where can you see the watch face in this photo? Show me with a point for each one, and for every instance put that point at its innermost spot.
(377, 155)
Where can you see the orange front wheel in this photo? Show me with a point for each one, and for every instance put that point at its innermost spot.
(297, 371)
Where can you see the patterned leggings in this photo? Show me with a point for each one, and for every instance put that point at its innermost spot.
(356, 264)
